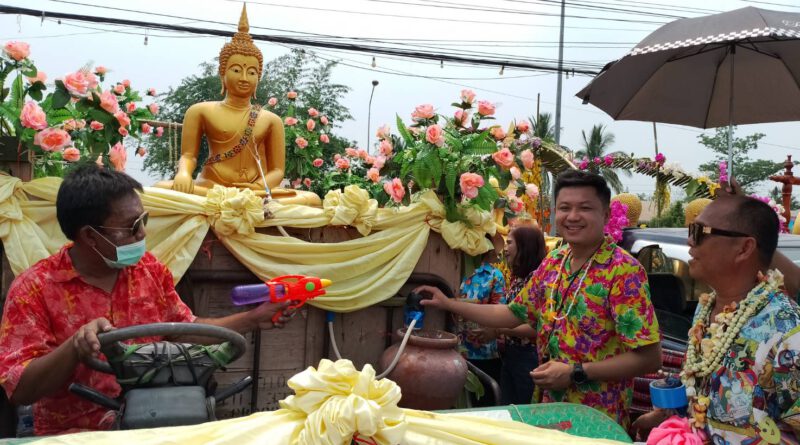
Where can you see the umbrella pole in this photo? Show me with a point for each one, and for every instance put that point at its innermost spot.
(730, 114)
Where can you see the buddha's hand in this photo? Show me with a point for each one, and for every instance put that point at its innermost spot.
(248, 185)
(183, 182)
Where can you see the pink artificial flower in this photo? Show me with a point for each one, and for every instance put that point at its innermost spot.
(40, 77)
(122, 131)
(122, 118)
(290, 121)
(119, 88)
(414, 130)
(424, 111)
(515, 173)
(141, 151)
(527, 159)
(126, 83)
(497, 133)
(291, 95)
(374, 175)
(523, 126)
(597, 160)
(485, 108)
(324, 138)
(272, 101)
(301, 142)
(310, 124)
(675, 430)
(296, 183)
(470, 183)
(79, 82)
(435, 135)
(130, 107)
(467, 96)
(100, 70)
(369, 160)
(313, 112)
(324, 120)
(461, 118)
(151, 91)
(159, 131)
(71, 154)
(317, 163)
(352, 152)
(723, 172)
(379, 162)
(660, 159)
(32, 116)
(362, 154)
(153, 107)
(504, 158)
(383, 132)
(96, 126)
(146, 128)
(395, 190)
(532, 191)
(343, 163)
(386, 147)
(608, 160)
(108, 102)
(52, 139)
(584, 164)
(337, 156)
(515, 204)
(17, 50)
(307, 182)
(70, 125)
(118, 157)
(81, 124)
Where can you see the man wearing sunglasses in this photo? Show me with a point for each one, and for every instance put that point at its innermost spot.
(103, 279)
(749, 393)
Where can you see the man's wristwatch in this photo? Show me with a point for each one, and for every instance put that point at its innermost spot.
(579, 376)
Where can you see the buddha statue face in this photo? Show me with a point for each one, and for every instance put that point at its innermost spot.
(241, 75)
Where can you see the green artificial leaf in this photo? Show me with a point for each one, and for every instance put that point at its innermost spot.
(61, 97)
(474, 385)
(401, 128)
(450, 178)
(35, 94)
(692, 187)
(30, 71)
(17, 93)
(101, 116)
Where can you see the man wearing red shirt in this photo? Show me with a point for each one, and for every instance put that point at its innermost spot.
(103, 279)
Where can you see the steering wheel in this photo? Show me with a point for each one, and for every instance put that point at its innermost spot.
(109, 340)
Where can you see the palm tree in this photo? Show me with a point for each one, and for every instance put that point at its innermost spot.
(543, 127)
(595, 146)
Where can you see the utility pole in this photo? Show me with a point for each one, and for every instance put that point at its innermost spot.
(558, 108)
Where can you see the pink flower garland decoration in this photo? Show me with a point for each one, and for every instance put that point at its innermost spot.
(778, 210)
(674, 431)
(617, 221)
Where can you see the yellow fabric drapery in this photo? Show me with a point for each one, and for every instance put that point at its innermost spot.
(331, 404)
(364, 271)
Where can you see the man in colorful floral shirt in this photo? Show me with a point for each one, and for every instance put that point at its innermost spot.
(589, 303)
(105, 279)
(742, 368)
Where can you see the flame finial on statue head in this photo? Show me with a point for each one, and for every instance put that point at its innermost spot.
(242, 43)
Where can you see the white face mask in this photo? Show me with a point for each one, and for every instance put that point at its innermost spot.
(127, 255)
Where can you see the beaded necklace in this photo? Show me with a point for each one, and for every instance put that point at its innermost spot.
(704, 355)
(248, 131)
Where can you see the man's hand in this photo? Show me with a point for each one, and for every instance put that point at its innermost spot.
(646, 422)
(262, 315)
(730, 188)
(438, 299)
(85, 339)
(553, 376)
(484, 335)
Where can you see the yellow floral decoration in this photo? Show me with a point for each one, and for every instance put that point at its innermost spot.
(233, 211)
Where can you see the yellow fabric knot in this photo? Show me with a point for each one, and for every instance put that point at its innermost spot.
(470, 236)
(233, 211)
(340, 401)
(351, 208)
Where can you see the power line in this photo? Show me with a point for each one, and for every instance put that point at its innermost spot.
(508, 63)
(771, 3)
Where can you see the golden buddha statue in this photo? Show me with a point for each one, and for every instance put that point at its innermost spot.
(246, 143)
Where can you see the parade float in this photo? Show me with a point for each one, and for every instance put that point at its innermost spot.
(265, 204)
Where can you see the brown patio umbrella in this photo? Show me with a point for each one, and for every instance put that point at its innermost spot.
(737, 67)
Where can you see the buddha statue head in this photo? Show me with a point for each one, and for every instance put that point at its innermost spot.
(240, 61)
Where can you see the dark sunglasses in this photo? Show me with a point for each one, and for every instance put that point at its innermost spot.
(698, 232)
(140, 222)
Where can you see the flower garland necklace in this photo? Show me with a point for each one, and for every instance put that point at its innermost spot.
(705, 355)
(586, 266)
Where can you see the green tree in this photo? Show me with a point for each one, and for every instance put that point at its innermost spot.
(297, 71)
(674, 217)
(543, 127)
(748, 172)
(595, 146)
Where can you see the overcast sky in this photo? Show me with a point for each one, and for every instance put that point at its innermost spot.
(523, 28)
